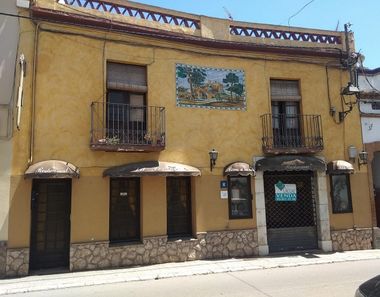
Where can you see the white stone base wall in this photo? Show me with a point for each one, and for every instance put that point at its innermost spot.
(17, 262)
(153, 250)
(376, 238)
(352, 239)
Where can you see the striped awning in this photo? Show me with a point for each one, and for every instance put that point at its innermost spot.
(152, 168)
(52, 169)
(340, 166)
(239, 168)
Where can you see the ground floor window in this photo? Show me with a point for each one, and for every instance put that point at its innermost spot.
(341, 193)
(178, 191)
(124, 209)
(239, 197)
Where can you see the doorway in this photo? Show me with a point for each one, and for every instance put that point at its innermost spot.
(376, 184)
(50, 226)
(290, 211)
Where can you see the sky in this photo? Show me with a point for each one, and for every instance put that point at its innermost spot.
(364, 16)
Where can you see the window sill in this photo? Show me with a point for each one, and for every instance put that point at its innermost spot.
(124, 243)
(181, 238)
(343, 212)
(241, 218)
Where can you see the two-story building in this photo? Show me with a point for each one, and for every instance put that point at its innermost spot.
(150, 135)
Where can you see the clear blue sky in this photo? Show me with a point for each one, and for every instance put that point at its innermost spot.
(364, 16)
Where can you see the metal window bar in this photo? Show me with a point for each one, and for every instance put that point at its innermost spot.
(299, 213)
(283, 131)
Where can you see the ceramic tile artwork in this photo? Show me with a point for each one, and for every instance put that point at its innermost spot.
(212, 88)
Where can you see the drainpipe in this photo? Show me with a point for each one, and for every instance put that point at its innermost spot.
(32, 117)
(20, 92)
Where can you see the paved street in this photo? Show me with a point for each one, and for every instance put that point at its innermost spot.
(334, 280)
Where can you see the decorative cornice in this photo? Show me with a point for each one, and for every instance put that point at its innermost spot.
(62, 17)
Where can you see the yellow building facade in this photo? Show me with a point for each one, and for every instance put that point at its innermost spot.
(122, 106)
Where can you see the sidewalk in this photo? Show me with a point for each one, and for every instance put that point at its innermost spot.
(168, 270)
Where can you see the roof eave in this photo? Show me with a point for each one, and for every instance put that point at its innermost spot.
(56, 16)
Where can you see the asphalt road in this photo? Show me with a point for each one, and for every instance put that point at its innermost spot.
(333, 280)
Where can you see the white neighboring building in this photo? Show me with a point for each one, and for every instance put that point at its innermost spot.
(369, 106)
(9, 36)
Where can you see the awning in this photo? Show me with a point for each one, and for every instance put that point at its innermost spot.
(290, 163)
(152, 168)
(340, 166)
(52, 169)
(238, 168)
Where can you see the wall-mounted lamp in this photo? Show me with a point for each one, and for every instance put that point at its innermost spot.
(363, 158)
(351, 89)
(213, 156)
(352, 153)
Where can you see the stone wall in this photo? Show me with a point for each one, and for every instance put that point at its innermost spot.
(352, 239)
(17, 262)
(153, 250)
(3, 258)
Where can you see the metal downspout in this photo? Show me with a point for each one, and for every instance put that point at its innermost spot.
(32, 118)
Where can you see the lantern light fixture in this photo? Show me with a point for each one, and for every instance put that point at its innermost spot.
(213, 157)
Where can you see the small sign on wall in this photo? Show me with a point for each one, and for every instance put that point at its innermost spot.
(285, 192)
(223, 184)
(223, 194)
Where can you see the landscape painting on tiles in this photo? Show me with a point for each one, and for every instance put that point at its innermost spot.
(213, 88)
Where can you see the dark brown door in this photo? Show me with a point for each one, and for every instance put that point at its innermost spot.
(377, 205)
(124, 209)
(178, 190)
(50, 232)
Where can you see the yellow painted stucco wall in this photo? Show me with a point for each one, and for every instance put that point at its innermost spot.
(70, 74)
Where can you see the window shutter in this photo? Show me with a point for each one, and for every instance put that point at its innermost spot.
(126, 77)
(284, 90)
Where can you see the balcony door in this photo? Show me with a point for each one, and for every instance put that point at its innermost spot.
(286, 125)
(286, 113)
(126, 116)
(126, 103)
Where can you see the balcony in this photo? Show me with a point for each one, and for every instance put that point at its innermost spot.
(119, 127)
(292, 134)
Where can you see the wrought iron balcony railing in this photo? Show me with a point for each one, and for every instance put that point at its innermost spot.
(291, 133)
(124, 127)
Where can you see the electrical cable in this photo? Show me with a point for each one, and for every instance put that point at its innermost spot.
(299, 11)
(15, 15)
(329, 96)
(176, 38)
(203, 53)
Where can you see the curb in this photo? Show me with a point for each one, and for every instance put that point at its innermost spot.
(170, 270)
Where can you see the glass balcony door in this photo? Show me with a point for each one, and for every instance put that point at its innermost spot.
(126, 117)
(286, 124)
